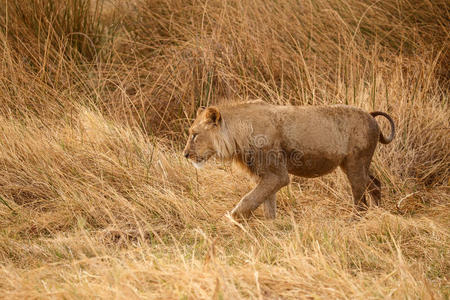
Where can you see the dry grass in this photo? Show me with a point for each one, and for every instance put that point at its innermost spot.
(96, 200)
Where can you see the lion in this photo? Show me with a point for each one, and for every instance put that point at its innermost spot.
(273, 141)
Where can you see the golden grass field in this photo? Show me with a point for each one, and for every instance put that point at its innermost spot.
(97, 201)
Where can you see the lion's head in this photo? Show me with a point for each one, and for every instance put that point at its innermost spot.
(204, 135)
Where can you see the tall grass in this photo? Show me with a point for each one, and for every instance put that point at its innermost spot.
(96, 200)
(52, 51)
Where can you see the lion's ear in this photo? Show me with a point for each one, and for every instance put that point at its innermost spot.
(200, 109)
(212, 114)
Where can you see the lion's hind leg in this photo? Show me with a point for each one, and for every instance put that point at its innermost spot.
(357, 173)
(374, 189)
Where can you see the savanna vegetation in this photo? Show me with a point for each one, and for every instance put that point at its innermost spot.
(96, 199)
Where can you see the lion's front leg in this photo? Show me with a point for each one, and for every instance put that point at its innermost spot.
(269, 184)
(270, 207)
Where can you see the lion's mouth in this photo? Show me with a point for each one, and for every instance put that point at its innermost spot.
(200, 161)
(199, 164)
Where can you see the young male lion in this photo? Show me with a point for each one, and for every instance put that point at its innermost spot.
(272, 141)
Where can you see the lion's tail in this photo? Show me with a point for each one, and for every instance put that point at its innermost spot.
(383, 139)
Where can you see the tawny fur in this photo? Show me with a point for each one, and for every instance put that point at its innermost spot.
(272, 141)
